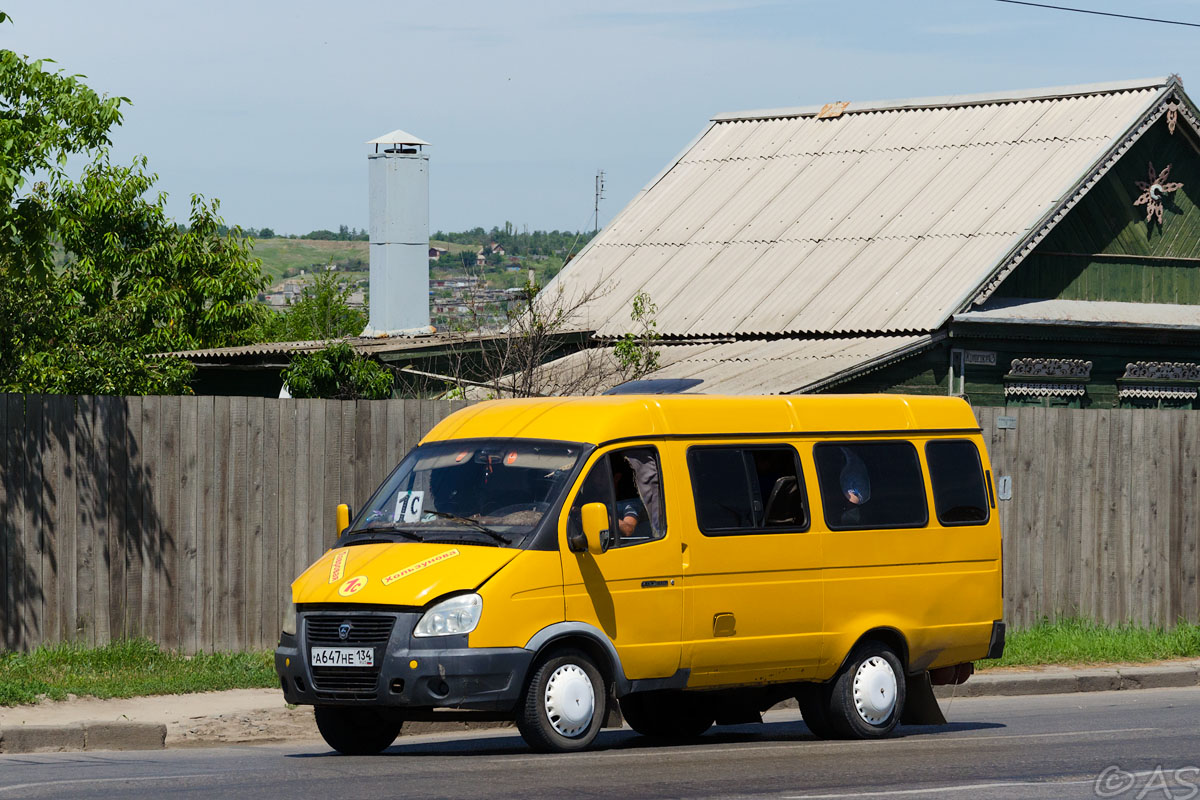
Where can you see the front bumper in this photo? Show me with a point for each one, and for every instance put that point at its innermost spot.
(426, 673)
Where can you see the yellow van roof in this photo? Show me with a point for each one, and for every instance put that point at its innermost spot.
(602, 419)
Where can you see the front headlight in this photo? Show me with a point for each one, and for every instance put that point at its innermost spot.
(454, 616)
(289, 614)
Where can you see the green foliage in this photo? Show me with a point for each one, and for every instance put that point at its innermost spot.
(322, 312)
(528, 243)
(636, 351)
(131, 283)
(127, 668)
(337, 372)
(1080, 641)
(344, 234)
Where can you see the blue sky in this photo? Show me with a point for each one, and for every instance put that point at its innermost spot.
(266, 104)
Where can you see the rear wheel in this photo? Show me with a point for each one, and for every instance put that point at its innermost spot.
(356, 731)
(676, 716)
(868, 694)
(564, 704)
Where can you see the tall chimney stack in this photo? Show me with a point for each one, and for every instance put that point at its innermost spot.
(398, 181)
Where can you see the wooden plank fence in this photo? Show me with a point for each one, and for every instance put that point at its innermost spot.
(183, 519)
(1104, 520)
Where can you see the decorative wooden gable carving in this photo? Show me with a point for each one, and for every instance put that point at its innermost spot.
(1159, 380)
(1047, 377)
(1155, 190)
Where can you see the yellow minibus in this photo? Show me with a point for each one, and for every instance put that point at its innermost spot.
(691, 559)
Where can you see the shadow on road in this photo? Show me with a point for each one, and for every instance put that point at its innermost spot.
(618, 740)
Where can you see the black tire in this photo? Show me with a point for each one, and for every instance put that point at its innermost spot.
(357, 731)
(867, 697)
(675, 716)
(814, 707)
(554, 715)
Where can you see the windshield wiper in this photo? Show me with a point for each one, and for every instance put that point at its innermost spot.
(499, 537)
(416, 537)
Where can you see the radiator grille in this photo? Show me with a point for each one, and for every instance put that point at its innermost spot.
(344, 683)
(323, 630)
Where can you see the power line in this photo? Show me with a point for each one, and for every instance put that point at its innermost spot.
(1101, 13)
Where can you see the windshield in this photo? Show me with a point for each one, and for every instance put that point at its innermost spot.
(485, 491)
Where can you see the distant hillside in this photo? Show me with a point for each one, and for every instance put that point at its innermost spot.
(283, 258)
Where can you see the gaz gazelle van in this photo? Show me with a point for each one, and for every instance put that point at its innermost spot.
(694, 559)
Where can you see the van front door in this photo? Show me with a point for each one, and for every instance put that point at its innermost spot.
(634, 591)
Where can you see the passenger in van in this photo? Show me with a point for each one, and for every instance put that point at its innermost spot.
(631, 511)
(856, 486)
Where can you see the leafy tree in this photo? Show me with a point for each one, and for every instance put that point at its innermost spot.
(337, 372)
(130, 282)
(322, 312)
(266, 233)
(636, 351)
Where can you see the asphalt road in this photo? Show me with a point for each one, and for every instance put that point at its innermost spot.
(1132, 744)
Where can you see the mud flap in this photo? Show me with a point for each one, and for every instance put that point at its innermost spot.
(920, 706)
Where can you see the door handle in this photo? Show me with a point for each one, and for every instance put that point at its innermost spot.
(655, 584)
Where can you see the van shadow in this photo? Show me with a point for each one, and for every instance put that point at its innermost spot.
(627, 740)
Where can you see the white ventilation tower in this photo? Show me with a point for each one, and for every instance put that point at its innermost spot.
(398, 180)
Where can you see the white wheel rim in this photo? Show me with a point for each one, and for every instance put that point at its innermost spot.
(570, 700)
(875, 690)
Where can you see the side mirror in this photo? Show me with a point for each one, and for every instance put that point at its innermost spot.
(595, 527)
(343, 518)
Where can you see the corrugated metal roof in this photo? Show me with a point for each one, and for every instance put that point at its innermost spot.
(780, 366)
(367, 345)
(1084, 312)
(884, 220)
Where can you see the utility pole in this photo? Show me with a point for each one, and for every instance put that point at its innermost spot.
(599, 197)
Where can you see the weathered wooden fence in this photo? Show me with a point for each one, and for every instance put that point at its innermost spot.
(1104, 519)
(184, 518)
(178, 518)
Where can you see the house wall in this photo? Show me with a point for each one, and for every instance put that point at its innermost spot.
(1104, 249)
(928, 372)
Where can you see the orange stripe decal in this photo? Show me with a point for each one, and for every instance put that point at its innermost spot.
(338, 568)
(420, 565)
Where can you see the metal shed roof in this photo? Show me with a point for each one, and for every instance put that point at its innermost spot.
(780, 366)
(398, 137)
(886, 220)
(1084, 313)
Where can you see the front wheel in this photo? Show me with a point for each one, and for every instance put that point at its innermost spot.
(868, 694)
(564, 704)
(356, 731)
(814, 707)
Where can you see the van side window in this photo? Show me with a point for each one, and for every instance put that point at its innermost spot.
(871, 485)
(959, 492)
(627, 482)
(756, 489)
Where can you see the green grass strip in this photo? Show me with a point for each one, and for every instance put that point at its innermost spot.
(129, 668)
(1079, 641)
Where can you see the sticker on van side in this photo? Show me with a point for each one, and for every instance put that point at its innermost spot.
(420, 565)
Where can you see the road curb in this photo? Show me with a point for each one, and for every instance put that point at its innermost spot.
(83, 736)
(1108, 679)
